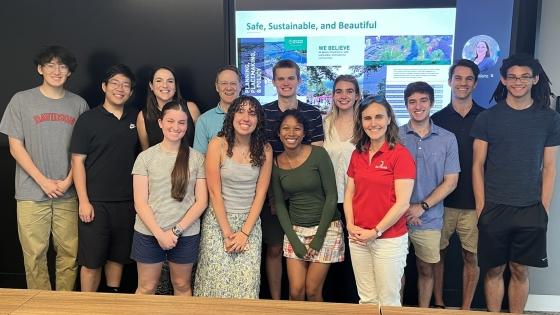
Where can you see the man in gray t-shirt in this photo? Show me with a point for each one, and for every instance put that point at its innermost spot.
(39, 123)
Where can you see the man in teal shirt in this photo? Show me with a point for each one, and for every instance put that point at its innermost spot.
(228, 86)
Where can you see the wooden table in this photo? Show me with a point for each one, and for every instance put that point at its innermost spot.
(20, 302)
(11, 300)
(51, 302)
(392, 310)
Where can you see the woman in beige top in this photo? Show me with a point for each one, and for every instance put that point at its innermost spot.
(338, 126)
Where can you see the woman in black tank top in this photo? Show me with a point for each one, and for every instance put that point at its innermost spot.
(163, 87)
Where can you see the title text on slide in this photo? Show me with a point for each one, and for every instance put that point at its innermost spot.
(258, 26)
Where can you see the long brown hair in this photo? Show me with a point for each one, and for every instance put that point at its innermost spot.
(180, 173)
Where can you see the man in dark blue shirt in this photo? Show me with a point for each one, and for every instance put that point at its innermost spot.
(514, 165)
(459, 214)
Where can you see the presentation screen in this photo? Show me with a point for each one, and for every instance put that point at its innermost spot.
(385, 49)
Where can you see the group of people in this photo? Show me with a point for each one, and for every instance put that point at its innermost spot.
(210, 189)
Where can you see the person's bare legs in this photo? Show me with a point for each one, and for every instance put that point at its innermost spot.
(181, 275)
(113, 274)
(89, 279)
(425, 282)
(471, 272)
(297, 272)
(438, 279)
(314, 281)
(518, 289)
(273, 266)
(494, 288)
(148, 277)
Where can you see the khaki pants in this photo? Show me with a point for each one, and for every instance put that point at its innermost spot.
(36, 221)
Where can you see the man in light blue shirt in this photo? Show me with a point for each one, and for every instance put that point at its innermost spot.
(228, 86)
(435, 152)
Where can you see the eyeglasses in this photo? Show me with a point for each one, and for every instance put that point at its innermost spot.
(225, 84)
(523, 79)
(51, 67)
(118, 84)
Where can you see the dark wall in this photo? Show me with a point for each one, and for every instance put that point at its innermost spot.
(190, 36)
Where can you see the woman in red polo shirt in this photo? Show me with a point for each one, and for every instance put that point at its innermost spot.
(380, 181)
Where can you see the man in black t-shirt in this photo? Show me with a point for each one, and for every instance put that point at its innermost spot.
(104, 146)
(514, 165)
(460, 215)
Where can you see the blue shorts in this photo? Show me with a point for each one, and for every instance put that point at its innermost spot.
(146, 250)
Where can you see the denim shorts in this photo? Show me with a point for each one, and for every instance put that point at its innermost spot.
(146, 250)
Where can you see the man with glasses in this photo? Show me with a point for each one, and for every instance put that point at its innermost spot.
(228, 86)
(435, 152)
(104, 146)
(39, 123)
(286, 78)
(514, 165)
(459, 215)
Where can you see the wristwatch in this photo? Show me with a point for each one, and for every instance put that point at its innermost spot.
(177, 230)
(425, 206)
(377, 232)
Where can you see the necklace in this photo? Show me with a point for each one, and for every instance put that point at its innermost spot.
(244, 153)
(290, 162)
(295, 161)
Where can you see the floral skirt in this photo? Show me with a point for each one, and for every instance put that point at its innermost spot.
(223, 275)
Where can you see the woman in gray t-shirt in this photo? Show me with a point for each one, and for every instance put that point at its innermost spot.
(169, 195)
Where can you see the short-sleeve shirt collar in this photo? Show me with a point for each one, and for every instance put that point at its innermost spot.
(434, 129)
(449, 110)
(218, 109)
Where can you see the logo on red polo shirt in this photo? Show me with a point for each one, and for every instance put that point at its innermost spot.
(381, 165)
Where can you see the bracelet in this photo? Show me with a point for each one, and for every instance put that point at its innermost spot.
(241, 230)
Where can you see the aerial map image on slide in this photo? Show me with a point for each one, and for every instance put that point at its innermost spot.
(408, 50)
(257, 56)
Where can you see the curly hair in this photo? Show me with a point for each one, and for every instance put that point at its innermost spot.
(299, 119)
(258, 136)
(540, 92)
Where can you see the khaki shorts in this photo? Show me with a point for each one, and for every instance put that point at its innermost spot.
(464, 222)
(426, 244)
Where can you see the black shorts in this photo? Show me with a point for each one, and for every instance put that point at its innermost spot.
(108, 236)
(509, 233)
(272, 231)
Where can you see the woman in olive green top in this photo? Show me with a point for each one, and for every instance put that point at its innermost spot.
(304, 175)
